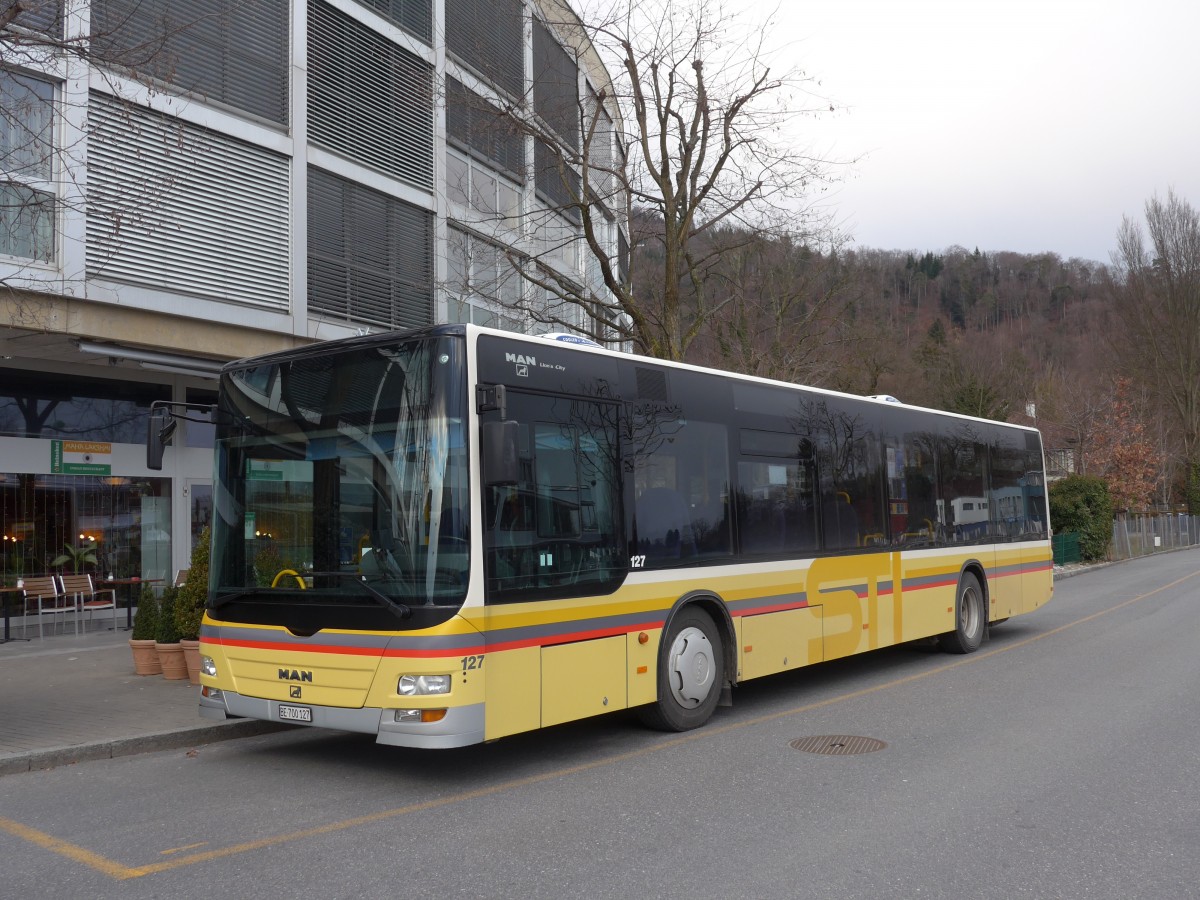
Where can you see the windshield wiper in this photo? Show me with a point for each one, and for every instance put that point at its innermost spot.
(401, 610)
(222, 599)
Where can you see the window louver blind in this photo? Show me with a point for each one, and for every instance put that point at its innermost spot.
(475, 124)
(370, 256)
(623, 261)
(555, 86)
(600, 150)
(45, 16)
(174, 206)
(488, 36)
(548, 180)
(369, 99)
(414, 16)
(227, 51)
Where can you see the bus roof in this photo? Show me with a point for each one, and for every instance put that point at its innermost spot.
(580, 345)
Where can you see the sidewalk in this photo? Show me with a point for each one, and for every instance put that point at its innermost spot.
(72, 698)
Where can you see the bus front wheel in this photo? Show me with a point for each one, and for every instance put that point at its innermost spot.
(970, 617)
(691, 672)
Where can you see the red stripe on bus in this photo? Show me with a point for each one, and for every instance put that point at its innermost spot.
(434, 653)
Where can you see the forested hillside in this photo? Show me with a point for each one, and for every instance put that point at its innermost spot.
(1032, 339)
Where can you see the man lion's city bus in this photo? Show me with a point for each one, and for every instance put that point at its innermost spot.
(445, 536)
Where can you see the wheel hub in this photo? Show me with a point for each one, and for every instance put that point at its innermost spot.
(691, 667)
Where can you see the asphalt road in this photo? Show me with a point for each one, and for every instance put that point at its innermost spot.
(1060, 761)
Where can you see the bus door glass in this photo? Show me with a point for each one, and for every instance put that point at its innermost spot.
(555, 530)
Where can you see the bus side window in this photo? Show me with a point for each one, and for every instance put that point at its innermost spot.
(664, 525)
(839, 521)
(678, 490)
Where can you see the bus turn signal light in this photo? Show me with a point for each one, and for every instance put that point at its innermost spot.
(420, 715)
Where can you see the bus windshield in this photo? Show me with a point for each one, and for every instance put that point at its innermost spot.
(342, 487)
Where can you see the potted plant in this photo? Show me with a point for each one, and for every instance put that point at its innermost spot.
(190, 603)
(78, 557)
(166, 638)
(141, 643)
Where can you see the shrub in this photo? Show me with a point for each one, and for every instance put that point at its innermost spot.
(167, 631)
(193, 594)
(269, 562)
(145, 622)
(1083, 504)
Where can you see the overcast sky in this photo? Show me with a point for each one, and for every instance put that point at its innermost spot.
(1024, 125)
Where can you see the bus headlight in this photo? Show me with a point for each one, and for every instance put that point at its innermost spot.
(422, 685)
(207, 666)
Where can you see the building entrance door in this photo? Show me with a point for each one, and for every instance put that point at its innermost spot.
(200, 507)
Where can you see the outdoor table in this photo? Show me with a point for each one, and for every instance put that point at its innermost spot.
(7, 632)
(129, 582)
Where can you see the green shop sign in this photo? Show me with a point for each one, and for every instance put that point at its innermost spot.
(80, 458)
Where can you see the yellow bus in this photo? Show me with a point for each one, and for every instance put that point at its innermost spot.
(446, 536)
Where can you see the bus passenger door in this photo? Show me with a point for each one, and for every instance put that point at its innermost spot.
(552, 539)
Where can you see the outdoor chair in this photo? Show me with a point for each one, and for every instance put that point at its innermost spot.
(45, 596)
(88, 598)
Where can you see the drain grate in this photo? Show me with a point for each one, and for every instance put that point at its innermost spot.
(837, 744)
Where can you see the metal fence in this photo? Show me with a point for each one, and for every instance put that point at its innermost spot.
(1066, 548)
(1143, 535)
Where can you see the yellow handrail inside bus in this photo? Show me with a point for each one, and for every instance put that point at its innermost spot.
(362, 543)
(294, 574)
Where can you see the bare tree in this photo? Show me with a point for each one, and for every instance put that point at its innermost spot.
(1156, 300)
(974, 375)
(698, 160)
(785, 311)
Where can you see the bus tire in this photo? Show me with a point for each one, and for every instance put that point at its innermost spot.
(691, 673)
(970, 618)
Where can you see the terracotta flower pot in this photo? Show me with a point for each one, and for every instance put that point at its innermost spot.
(145, 658)
(173, 664)
(191, 656)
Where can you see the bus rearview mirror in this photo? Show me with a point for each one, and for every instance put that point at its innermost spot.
(159, 430)
(499, 448)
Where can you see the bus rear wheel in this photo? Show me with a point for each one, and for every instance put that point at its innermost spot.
(691, 673)
(970, 618)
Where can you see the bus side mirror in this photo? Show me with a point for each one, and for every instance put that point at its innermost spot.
(500, 452)
(159, 431)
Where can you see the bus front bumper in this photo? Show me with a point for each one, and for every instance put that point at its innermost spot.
(461, 727)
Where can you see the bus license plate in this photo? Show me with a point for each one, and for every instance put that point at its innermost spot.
(295, 713)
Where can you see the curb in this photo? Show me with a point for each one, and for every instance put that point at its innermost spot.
(147, 743)
(1083, 570)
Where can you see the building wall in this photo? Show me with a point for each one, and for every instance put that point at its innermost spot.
(268, 174)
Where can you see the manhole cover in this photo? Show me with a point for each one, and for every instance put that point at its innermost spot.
(837, 744)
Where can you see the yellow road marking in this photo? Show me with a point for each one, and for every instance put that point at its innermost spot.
(67, 849)
(121, 873)
(174, 850)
